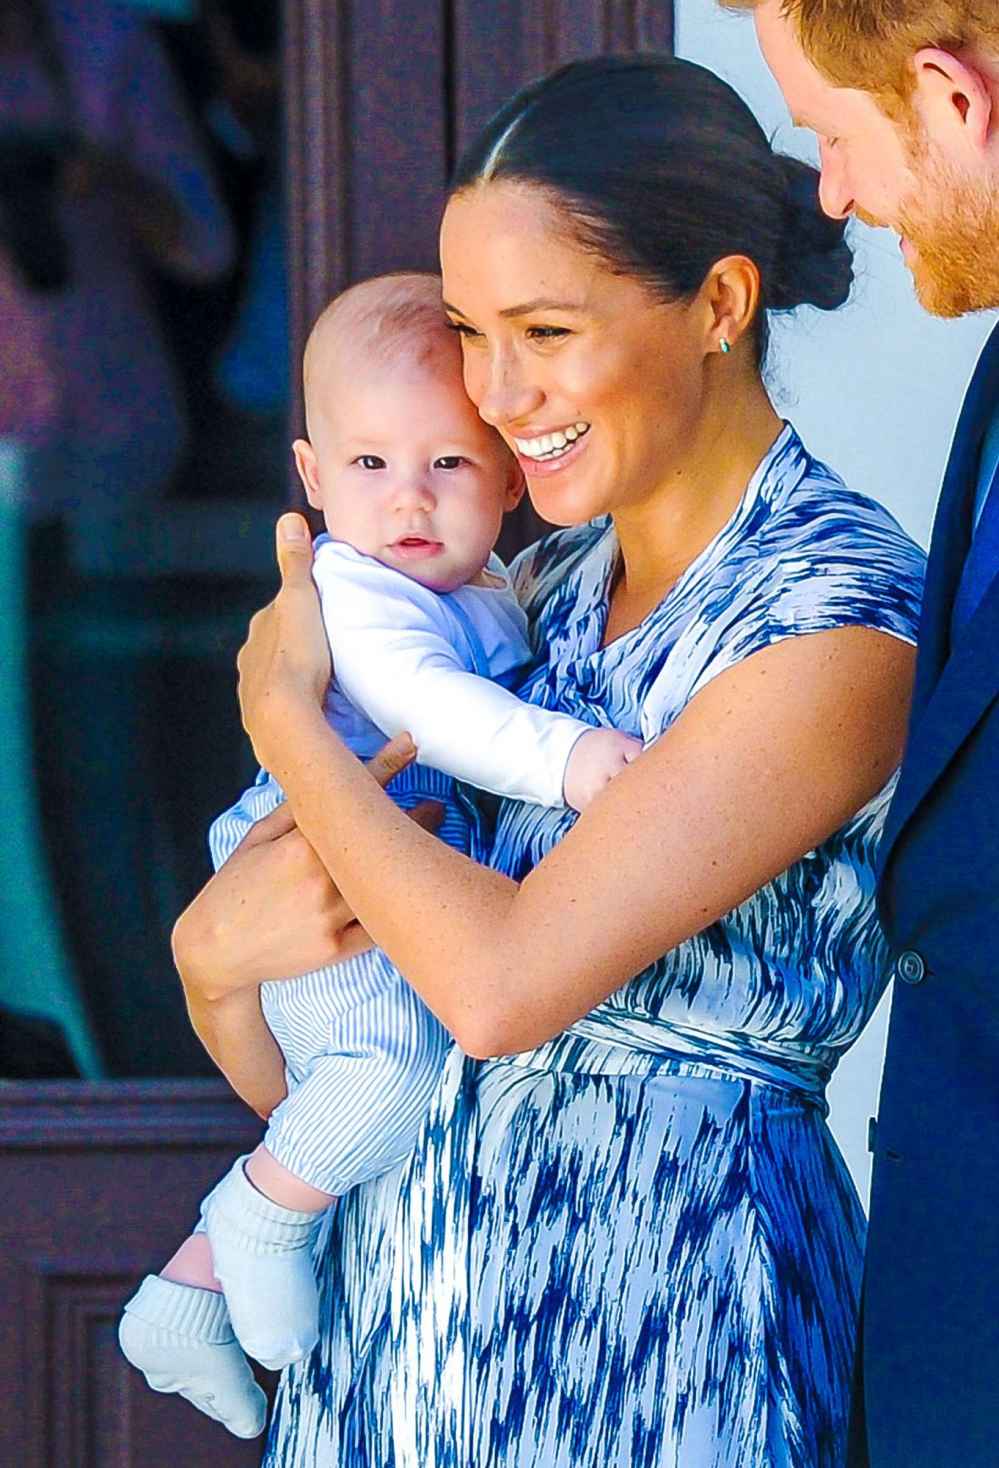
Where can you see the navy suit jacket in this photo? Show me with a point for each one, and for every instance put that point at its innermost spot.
(929, 1360)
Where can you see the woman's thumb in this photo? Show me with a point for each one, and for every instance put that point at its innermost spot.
(294, 550)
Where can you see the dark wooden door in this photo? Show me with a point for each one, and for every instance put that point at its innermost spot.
(100, 1182)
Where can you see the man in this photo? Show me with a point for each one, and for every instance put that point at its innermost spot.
(904, 98)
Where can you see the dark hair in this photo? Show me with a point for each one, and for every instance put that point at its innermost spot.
(664, 171)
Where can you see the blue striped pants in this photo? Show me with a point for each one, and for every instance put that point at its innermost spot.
(363, 1054)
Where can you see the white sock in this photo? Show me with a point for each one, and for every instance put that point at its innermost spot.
(262, 1257)
(181, 1340)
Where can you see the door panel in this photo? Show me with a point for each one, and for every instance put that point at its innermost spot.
(100, 1183)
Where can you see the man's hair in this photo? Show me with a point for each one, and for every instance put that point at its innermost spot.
(869, 44)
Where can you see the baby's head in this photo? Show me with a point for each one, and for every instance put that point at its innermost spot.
(398, 460)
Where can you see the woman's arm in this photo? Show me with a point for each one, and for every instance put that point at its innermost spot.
(271, 911)
(235, 1034)
(764, 764)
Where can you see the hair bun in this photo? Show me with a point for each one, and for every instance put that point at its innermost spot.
(815, 264)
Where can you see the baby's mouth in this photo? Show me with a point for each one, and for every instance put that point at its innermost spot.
(416, 546)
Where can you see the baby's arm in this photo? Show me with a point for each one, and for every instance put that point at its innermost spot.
(393, 658)
(594, 760)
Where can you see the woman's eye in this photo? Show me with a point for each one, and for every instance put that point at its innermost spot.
(463, 329)
(370, 461)
(546, 333)
(450, 461)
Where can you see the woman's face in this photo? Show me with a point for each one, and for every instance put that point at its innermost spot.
(595, 384)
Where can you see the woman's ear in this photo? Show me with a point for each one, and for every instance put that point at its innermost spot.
(732, 297)
(308, 471)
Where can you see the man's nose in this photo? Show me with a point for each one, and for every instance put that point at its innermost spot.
(835, 196)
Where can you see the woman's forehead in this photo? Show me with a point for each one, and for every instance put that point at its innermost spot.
(502, 239)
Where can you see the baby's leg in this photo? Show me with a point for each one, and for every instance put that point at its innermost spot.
(176, 1331)
(356, 1113)
(192, 1264)
(261, 1221)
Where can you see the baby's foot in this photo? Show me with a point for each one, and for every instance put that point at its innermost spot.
(262, 1254)
(180, 1338)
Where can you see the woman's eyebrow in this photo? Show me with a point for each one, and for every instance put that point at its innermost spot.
(540, 303)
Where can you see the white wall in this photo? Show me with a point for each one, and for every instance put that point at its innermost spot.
(874, 389)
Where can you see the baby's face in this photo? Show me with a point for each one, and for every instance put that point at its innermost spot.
(406, 471)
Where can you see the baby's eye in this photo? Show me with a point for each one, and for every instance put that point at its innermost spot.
(450, 461)
(370, 461)
(546, 333)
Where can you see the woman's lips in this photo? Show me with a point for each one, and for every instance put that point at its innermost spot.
(536, 468)
(415, 548)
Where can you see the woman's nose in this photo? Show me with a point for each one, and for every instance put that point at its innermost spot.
(835, 196)
(506, 395)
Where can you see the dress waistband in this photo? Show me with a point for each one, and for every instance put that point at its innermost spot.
(581, 1055)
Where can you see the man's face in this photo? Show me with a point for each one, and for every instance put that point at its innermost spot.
(893, 174)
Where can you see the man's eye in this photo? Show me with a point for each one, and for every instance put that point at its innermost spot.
(546, 333)
(450, 461)
(370, 461)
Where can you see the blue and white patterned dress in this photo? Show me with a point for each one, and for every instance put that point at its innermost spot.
(637, 1246)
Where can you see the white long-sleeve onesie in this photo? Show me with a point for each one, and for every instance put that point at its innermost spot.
(363, 1052)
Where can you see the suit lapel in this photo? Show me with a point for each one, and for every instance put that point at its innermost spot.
(968, 685)
(954, 686)
(948, 549)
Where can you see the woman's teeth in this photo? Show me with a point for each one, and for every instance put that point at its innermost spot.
(551, 445)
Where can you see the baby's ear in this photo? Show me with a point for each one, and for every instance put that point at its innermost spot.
(515, 485)
(308, 471)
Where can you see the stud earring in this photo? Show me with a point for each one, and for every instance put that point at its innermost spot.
(725, 345)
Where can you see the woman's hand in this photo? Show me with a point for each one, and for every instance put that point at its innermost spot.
(272, 911)
(284, 665)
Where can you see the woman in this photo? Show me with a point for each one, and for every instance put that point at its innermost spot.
(626, 1237)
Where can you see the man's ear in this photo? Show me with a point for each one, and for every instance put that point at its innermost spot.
(954, 98)
(308, 471)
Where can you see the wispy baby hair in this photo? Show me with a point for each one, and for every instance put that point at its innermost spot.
(399, 315)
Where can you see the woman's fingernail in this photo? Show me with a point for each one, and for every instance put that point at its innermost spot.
(292, 527)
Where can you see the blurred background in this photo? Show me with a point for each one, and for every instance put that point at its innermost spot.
(183, 186)
(144, 390)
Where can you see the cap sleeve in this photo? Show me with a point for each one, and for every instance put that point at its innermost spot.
(825, 560)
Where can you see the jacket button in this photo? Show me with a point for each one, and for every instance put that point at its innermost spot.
(911, 967)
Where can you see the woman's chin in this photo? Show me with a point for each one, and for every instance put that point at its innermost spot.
(561, 502)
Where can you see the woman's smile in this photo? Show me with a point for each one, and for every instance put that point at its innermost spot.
(551, 452)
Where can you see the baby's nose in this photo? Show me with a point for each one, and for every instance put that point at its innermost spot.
(415, 489)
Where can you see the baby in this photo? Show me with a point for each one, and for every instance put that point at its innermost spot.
(426, 636)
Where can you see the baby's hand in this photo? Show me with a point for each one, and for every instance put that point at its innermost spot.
(595, 759)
